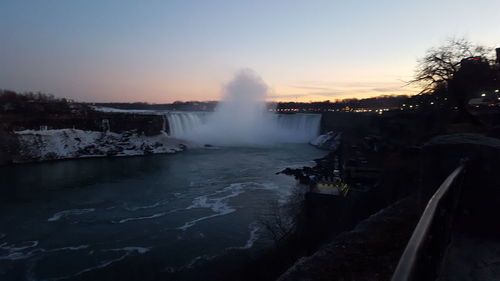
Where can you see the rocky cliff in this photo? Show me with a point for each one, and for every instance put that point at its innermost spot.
(71, 143)
(37, 131)
(83, 117)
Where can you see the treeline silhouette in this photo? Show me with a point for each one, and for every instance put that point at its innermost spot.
(177, 105)
(380, 102)
(385, 101)
(12, 102)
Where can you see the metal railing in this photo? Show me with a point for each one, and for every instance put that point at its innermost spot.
(423, 254)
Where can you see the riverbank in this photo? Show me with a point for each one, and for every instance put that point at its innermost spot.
(45, 145)
(38, 127)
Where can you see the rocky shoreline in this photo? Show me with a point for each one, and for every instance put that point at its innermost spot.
(324, 167)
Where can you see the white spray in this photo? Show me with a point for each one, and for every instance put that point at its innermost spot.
(241, 118)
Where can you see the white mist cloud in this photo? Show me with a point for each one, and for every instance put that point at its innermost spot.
(241, 118)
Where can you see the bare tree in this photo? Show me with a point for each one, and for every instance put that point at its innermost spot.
(280, 220)
(440, 64)
(278, 223)
(458, 70)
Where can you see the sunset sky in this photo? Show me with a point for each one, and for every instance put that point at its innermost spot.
(162, 51)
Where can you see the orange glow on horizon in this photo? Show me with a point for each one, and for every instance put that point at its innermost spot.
(314, 98)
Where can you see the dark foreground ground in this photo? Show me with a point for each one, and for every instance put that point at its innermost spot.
(369, 252)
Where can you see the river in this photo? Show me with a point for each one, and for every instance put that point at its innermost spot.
(76, 219)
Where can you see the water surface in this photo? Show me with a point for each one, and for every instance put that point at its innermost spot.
(76, 219)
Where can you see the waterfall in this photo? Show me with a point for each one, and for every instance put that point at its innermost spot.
(181, 124)
(241, 118)
(299, 127)
(284, 128)
(164, 124)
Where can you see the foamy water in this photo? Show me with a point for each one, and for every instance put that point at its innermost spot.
(57, 216)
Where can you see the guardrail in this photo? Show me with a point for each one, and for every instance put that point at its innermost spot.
(425, 249)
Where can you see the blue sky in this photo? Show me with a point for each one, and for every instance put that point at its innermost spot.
(162, 51)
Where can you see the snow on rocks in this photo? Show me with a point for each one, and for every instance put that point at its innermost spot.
(71, 143)
(117, 110)
(328, 141)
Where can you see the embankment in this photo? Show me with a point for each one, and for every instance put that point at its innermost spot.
(58, 144)
(78, 131)
(369, 252)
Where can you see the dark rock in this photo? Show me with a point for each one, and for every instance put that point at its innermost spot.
(111, 152)
(50, 156)
(8, 147)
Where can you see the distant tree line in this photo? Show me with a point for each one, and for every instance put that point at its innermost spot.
(177, 105)
(12, 96)
(32, 103)
(385, 101)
